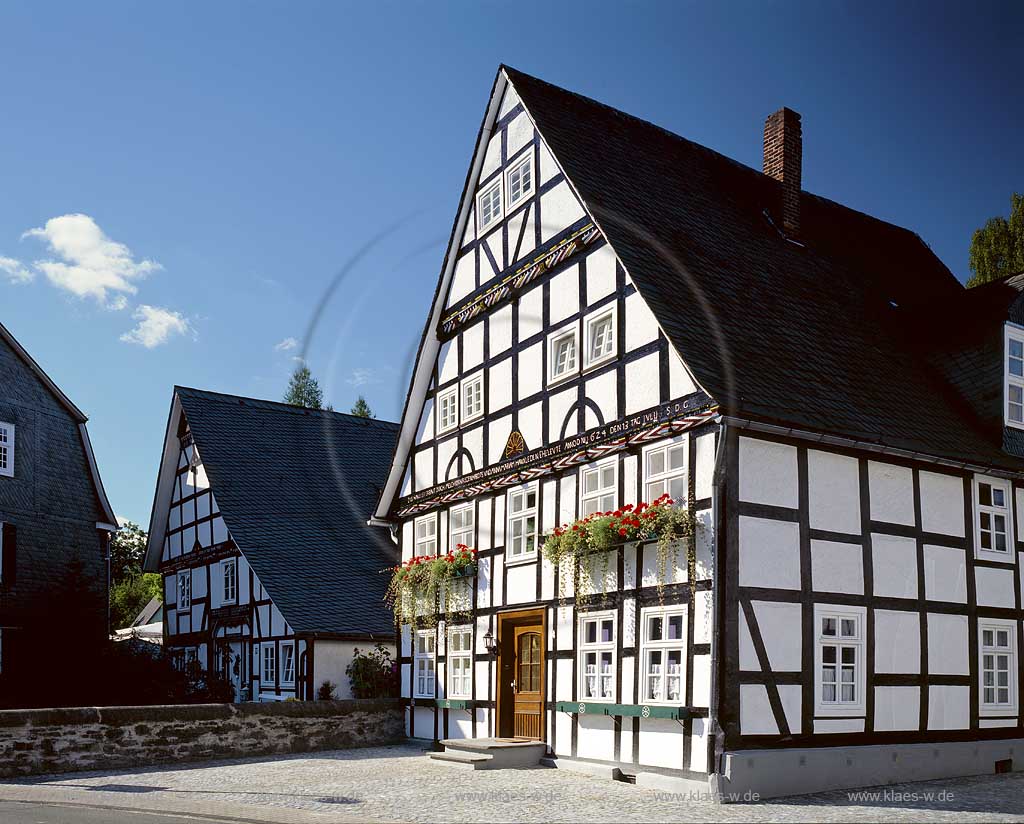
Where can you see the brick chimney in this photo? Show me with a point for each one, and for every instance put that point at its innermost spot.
(783, 152)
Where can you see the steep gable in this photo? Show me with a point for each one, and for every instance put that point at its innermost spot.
(294, 488)
(811, 335)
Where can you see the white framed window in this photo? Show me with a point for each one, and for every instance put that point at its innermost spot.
(447, 409)
(522, 523)
(426, 536)
(185, 589)
(229, 573)
(839, 660)
(460, 662)
(288, 663)
(461, 526)
(597, 656)
(268, 673)
(7, 449)
(519, 179)
(992, 518)
(473, 397)
(423, 664)
(488, 205)
(563, 359)
(997, 648)
(663, 654)
(600, 337)
(599, 487)
(1013, 371)
(665, 470)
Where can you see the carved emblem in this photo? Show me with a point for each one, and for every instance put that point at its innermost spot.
(583, 707)
(645, 712)
(516, 445)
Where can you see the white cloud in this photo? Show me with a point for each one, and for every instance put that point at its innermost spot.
(286, 345)
(156, 326)
(89, 264)
(15, 271)
(362, 377)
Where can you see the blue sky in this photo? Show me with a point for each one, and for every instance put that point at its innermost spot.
(233, 158)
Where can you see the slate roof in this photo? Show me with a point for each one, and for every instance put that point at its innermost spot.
(836, 335)
(296, 487)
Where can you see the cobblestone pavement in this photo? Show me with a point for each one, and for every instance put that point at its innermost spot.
(399, 783)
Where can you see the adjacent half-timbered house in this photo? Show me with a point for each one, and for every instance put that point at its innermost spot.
(55, 520)
(271, 575)
(623, 314)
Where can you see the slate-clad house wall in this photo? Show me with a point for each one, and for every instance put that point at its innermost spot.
(850, 453)
(271, 575)
(52, 507)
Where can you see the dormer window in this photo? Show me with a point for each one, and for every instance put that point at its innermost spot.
(1014, 383)
(488, 204)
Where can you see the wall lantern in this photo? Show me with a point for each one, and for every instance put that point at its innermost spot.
(490, 643)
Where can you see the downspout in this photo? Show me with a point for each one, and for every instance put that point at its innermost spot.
(718, 569)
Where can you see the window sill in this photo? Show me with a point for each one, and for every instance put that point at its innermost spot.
(560, 379)
(849, 711)
(998, 712)
(992, 556)
(521, 560)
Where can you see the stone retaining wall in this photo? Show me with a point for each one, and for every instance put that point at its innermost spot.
(91, 738)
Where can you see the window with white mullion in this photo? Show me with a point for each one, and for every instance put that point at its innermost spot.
(597, 657)
(663, 653)
(288, 663)
(269, 674)
(461, 521)
(665, 471)
(459, 660)
(447, 409)
(600, 487)
(489, 204)
(600, 337)
(185, 589)
(472, 398)
(519, 179)
(1014, 372)
(562, 356)
(840, 661)
(426, 536)
(7, 449)
(992, 517)
(229, 568)
(998, 666)
(423, 664)
(522, 523)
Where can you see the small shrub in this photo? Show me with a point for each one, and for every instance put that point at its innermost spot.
(326, 691)
(373, 674)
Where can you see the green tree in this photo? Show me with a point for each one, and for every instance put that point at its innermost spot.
(127, 551)
(128, 597)
(997, 248)
(361, 409)
(304, 389)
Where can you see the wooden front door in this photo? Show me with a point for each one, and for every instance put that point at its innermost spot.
(521, 664)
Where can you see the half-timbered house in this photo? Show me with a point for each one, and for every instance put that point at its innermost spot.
(622, 313)
(55, 524)
(271, 575)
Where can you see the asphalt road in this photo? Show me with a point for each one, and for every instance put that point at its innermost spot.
(30, 812)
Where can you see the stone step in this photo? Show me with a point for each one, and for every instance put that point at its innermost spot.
(504, 753)
(462, 759)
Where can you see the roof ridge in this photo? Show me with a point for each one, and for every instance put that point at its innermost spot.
(280, 406)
